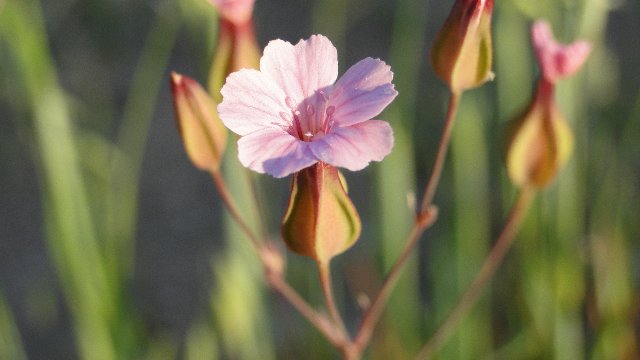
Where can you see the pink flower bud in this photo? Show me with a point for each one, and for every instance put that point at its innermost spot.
(203, 134)
(557, 61)
(236, 49)
(462, 54)
(236, 11)
(321, 221)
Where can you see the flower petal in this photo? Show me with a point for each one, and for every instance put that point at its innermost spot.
(251, 102)
(353, 147)
(302, 69)
(275, 152)
(362, 92)
(557, 61)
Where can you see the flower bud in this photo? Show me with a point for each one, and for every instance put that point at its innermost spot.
(321, 221)
(539, 142)
(461, 54)
(237, 47)
(203, 134)
(237, 12)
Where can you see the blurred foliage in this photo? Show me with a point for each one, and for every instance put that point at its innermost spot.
(85, 88)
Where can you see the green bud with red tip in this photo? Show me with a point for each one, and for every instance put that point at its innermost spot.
(203, 134)
(321, 221)
(462, 54)
(540, 141)
(237, 47)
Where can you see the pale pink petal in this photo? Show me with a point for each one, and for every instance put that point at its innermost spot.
(252, 101)
(362, 92)
(353, 147)
(302, 69)
(557, 61)
(237, 11)
(274, 152)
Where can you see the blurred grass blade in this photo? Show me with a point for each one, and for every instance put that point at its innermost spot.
(10, 342)
(471, 230)
(395, 183)
(70, 229)
(126, 162)
(238, 302)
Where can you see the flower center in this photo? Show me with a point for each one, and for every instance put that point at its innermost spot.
(313, 118)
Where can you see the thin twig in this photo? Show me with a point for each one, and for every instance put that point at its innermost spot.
(427, 215)
(318, 320)
(488, 269)
(438, 165)
(327, 289)
(373, 313)
(227, 198)
(274, 278)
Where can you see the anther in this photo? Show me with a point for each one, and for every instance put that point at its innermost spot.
(330, 110)
(310, 110)
(290, 103)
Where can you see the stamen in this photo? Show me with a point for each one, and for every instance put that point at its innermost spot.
(324, 95)
(310, 110)
(297, 124)
(330, 110)
(284, 117)
(291, 104)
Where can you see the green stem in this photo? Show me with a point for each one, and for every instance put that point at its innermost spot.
(426, 217)
(275, 280)
(438, 165)
(229, 202)
(318, 320)
(373, 313)
(488, 269)
(327, 289)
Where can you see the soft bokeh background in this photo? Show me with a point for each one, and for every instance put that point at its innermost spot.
(112, 246)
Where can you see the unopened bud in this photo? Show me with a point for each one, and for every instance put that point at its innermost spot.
(539, 142)
(462, 54)
(203, 134)
(321, 221)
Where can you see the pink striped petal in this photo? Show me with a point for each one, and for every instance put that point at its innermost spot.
(274, 152)
(302, 69)
(557, 61)
(353, 147)
(252, 102)
(362, 92)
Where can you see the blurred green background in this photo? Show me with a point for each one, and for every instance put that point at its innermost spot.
(112, 246)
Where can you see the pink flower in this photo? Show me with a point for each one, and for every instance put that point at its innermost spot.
(557, 61)
(236, 11)
(290, 114)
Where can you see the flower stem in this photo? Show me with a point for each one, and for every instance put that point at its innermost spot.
(373, 313)
(488, 269)
(318, 320)
(275, 279)
(327, 288)
(438, 165)
(427, 215)
(228, 200)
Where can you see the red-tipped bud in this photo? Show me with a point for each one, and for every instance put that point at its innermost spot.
(462, 54)
(539, 142)
(321, 221)
(236, 11)
(203, 134)
(237, 47)
(557, 61)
